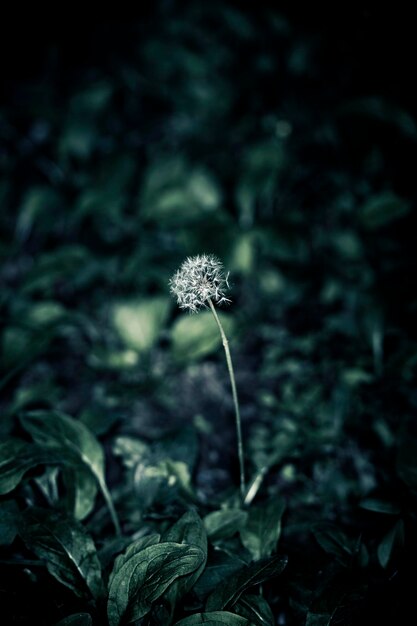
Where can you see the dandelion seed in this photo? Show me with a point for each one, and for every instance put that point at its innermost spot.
(199, 279)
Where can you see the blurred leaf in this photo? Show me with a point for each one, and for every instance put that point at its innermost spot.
(140, 323)
(37, 204)
(256, 609)
(175, 193)
(143, 574)
(77, 619)
(72, 265)
(67, 549)
(393, 540)
(21, 345)
(225, 523)
(334, 542)
(380, 110)
(228, 592)
(380, 506)
(196, 336)
(318, 619)
(9, 519)
(17, 457)
(383, 209)
(407, 461)
(214, 618)
(263, 528)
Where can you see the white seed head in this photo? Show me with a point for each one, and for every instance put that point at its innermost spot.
(199, 278)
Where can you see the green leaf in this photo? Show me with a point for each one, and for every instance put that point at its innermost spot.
(407, 462)
(225, 523)
(383, 209)
(16, 458)
(58, 431)
(380, 506)
(9, 519)
(81, 490)
(214, 618)
(335, 542)
(220, 567)
(139, 323)
(263, 528)
(256, 609)
(74, 442)
(318, 619)
(195, 336)
(143, 574)
(77, 619)
(392, 540)
(228, 593)
(68, 550)
(189, 530)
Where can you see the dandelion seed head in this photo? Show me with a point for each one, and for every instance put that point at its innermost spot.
(199, 278)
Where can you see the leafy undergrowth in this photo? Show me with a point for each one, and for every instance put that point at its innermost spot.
(250, 135)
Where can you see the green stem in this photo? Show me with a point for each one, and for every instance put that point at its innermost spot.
(110, 506)
(235, 399)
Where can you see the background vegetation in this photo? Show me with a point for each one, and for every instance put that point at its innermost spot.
(284, 142)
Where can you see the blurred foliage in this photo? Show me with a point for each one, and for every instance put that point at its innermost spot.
(285, 143)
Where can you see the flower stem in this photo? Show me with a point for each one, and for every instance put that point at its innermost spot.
(235, 399)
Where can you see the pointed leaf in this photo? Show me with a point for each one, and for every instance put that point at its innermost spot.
(142, 575)
(393, 539)
(190, 531)
(224, 523)
(58, 431)
(220, 567)
(226, 594)
(263, 528)
(256, 610)
(68, 550)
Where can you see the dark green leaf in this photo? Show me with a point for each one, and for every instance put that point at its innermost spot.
(383, 209)
(262, 530)
(190, 531)
(224, 523)
(335, 542)
(393, 539)
(318, 619)
(73, 441)
(67, 549)
(226, 594)
(214, 618)
(77, 619)
(142, 575)
(9, 519)
(256, 609)
(380, 506)
(17, 457)
(221, 566)
(81, 491)
(407, 462)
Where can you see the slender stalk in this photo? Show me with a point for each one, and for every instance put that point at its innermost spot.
(110, 506)
(235, 399)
